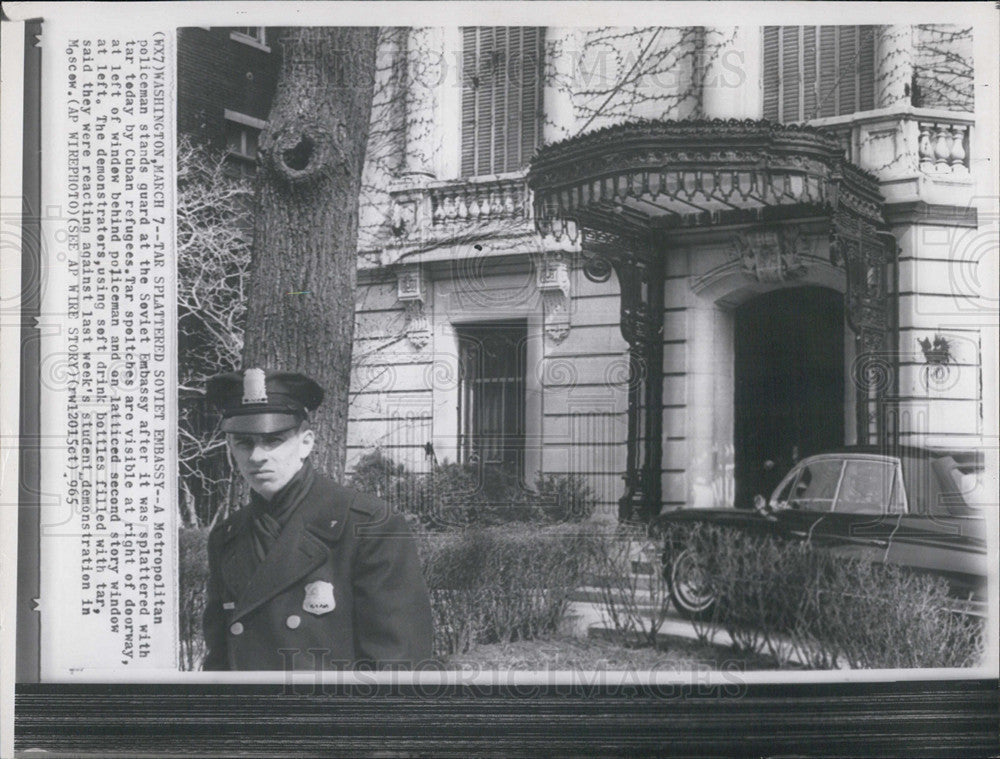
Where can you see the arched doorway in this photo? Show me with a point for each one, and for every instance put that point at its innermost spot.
(789, 383)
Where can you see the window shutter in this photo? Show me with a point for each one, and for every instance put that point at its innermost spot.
(827, 71)
(866, 69)
(469, 94)
(484, 112)
(790, 68)
(848, 69)
(809, 84)
(772, 80)
(514, 80)
(815, 72)
(531, 80)
(500, 98)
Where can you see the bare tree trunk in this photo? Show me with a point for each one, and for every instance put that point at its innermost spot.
(301, 303)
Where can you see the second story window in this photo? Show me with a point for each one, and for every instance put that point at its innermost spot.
(812, 72)
(255, 36)
(242, 136)
(501, 97)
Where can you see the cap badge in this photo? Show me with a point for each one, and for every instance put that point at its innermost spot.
(254, 386)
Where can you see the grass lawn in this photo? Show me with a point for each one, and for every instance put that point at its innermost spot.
(565, 652)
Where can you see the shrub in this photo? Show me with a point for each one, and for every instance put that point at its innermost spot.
(377, 474)
(192, 577)
(498, 585)
(458, 496)
(633, 603)
(792, 599)
(887, 616)
(564, 498)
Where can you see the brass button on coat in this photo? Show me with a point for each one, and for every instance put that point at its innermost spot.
(293, 621)
(236, 628)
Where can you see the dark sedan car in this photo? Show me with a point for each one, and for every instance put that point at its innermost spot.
(919, 508)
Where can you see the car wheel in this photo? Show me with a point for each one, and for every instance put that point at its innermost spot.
(689, 585)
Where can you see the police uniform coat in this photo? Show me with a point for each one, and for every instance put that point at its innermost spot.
(340, 588)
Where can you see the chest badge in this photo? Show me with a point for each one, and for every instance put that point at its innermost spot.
(319, 597)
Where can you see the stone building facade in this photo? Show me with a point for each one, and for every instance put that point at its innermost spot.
(742, 265)
(660, 258)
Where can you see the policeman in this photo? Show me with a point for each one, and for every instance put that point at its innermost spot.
(310, 575)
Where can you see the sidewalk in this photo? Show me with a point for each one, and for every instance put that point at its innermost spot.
(585, 618)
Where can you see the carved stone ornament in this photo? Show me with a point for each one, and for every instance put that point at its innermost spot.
(418, 328)
(772, 255)
(409, 284)
(553, 283)
(410, 291)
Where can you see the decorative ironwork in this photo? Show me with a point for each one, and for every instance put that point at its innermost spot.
(640, 275)
(629, 187)
(676, 174)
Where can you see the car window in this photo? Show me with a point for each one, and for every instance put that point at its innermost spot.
(867, 488)
(784, 491)
(816, 485)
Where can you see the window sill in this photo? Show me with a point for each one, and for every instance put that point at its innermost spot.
(249, 41)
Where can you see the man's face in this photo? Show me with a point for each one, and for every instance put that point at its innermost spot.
(269, 461)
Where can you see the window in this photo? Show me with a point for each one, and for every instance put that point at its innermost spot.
(501, 91)
(812, 72)
(784, 491)
(255, 36)
(870, 487)
(816, 485)
(242, 137)
(492, 359)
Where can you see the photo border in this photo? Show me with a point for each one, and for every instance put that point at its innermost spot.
(919, 717)
(909, 718)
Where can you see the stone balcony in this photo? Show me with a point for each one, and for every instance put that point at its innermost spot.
(430, 214)
(916, 153)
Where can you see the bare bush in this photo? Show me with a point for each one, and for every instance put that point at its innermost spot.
(625, 563)
(797, 602)
(499, 585)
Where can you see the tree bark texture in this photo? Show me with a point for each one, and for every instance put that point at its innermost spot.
(301, 301)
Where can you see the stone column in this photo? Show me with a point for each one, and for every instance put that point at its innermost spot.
(701, 405)
(894, 65)
(424, 66)
(730, 67)
(562, 50)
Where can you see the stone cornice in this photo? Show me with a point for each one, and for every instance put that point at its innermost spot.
(920, 212)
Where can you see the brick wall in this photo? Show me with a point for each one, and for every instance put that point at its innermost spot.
(215, 72)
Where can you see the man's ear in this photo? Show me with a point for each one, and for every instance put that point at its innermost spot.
(306, 442)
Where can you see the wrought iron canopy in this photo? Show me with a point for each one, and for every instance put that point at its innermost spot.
(660, 175)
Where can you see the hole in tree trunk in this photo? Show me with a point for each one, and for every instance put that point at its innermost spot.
(297, 158)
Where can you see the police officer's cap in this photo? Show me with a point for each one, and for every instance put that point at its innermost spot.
(255, 401)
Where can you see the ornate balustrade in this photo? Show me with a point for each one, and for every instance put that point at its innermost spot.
(905, 141)
(915, 152)
(434, 209)
(944, 147)
(480, 200)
